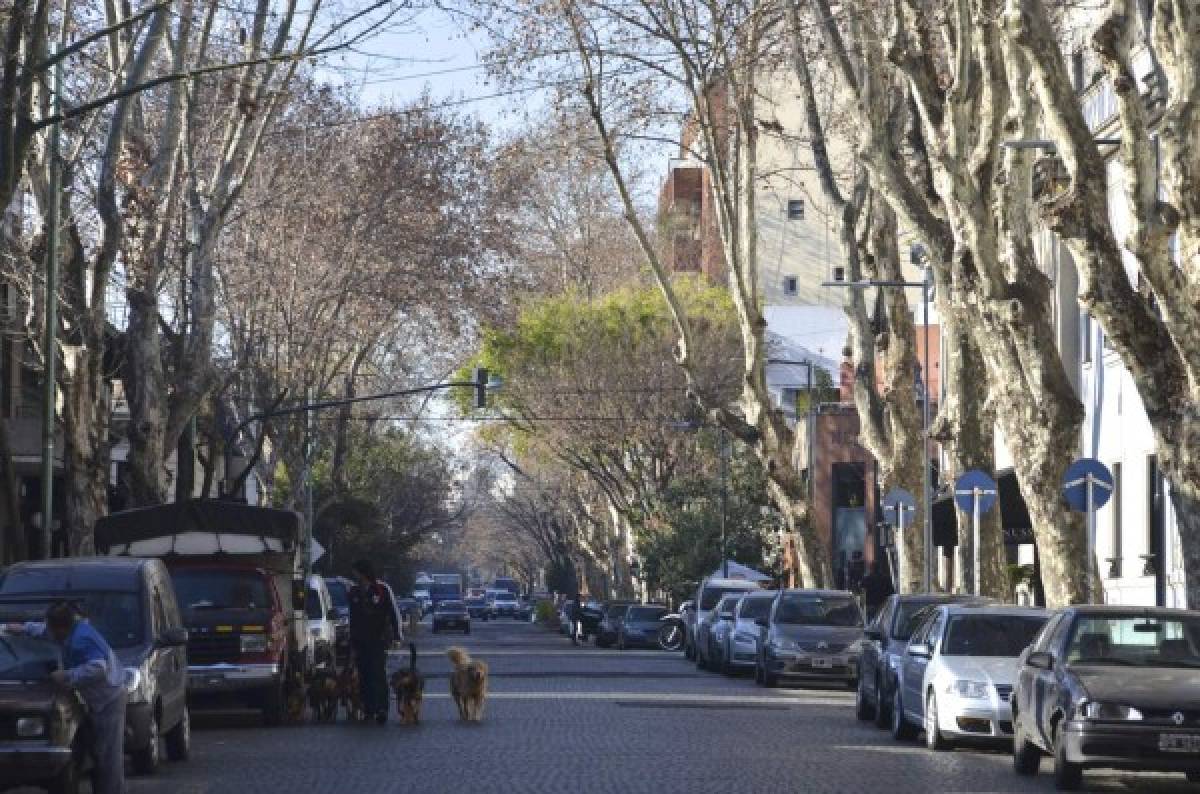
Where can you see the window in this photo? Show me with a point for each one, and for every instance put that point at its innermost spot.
(795, 209)
(839, 274)
(1114, 567)
(790, 285)
(991, 635)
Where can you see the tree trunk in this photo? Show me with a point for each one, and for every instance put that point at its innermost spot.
(146, 388)
(12, 529)
(85, 449)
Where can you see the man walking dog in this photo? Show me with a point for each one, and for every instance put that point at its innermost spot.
(372, 629)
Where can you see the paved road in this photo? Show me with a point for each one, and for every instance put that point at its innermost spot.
(562, 720)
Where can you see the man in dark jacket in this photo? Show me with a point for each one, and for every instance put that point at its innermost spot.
(372, 629)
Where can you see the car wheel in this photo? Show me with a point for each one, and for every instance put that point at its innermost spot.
(758, 673)
(1193, 777)
(725, 667)
(901, 729)
(933, 734)
(1067, 776)
(274, 704)
(67, 781)
(862, 708)
(179, 739)
(689, 651)
(883, 712)
(145, 759)
(621, 642)
(1026, 756)
(700, 662)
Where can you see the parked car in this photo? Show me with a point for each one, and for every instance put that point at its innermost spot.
(339, 594)
(708, 593)
(958, 673)
(1110, 687)
(810, 635)
(610, 623)
(131, 603)
(639, 626)
(736, 641)
(707, 629)
(884, 648)
(322, 621)
(477, 607)
(451, 615)
(505, 604)
(43, 739)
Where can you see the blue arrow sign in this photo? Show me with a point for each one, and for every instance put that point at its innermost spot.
(1075, 484)
(971, 485)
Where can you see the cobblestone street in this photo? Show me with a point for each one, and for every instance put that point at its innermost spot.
(563, 719)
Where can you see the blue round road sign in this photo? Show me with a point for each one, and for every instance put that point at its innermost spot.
(1075, 484)
(965, 488)
(897, 503)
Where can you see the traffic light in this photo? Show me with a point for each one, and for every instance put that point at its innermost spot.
(481, 386)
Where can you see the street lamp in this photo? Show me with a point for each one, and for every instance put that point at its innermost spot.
(926, 286)
(723, 434)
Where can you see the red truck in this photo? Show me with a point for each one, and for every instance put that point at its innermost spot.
(238, 577)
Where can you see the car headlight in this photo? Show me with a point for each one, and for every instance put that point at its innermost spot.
(30, 727)
(743, 636)
(1117, 712)
(973, 690)
(787, 645)
(254, 643)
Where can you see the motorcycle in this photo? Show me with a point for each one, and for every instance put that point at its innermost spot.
(672, 632)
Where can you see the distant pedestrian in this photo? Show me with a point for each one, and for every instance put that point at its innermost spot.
(576, 614)
(372, 629)
(91, 669)
(877, 586)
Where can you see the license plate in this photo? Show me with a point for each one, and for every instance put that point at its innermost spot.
(1178, 743)
(822, 662)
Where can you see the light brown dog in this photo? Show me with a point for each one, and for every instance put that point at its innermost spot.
(349, 695)
(409, 686)
(468, 684)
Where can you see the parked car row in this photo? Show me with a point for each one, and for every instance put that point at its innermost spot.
(625, 624)
(1092, 687)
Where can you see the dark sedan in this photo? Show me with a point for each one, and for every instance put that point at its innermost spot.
(1110, 687)
(610, 624)
(884, 649)
(41, 726)
(639, 627)
(478, 608)
(451, 615)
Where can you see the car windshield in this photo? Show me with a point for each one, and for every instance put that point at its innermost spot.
(806, 610)
(711, 595)
(908, 617)
(116, 615)
(990, 635)
(645, 614)
(339, 594)
(452, 606)
(27, 658)
(1135, 641)
(727, 605)
(220, 589)
(616, 610)
(755, 608)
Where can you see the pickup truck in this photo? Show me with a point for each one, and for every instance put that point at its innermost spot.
(238, 577)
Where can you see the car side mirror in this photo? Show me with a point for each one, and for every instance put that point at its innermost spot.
(921, 650)
(172, 638)
(873, 634)
(762, 622)
(1041, 660)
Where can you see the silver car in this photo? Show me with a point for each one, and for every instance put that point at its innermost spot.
(956, 680)
(735, 642)
(707, 630)
(708, 594)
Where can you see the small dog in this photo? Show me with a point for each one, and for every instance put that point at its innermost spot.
(468, 684)
(349, 695)
(295, 697)
(323, 693)
(409, 686)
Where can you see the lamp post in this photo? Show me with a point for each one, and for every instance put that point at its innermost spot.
(926, 286)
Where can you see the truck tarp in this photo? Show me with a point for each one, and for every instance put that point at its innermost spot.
(187, 527)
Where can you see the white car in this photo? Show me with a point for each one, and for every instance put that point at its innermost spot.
(322, 620)
(957, 677)
(737, 642)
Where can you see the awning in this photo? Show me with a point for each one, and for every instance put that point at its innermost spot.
(1014, 516)
(739, 571)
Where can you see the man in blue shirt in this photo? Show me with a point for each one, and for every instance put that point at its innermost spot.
(91, 668)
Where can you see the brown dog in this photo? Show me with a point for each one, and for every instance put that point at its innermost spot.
(349, 695)
(409, 686)
(468, 684)
(323, 695)
(295, 697)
